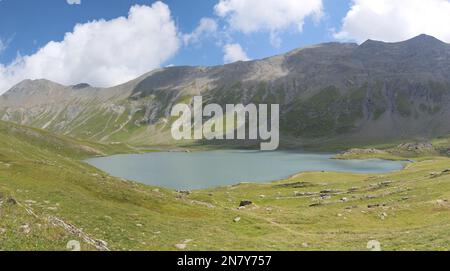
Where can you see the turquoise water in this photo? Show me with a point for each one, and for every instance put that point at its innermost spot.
(180, 170)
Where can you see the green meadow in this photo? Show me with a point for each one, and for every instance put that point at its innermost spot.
(49, 196)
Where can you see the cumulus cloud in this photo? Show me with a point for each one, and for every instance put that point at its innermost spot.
(102, 53)
(233, 52)
(395, 20)
(74, 2)
(274, 16)
(206, 27)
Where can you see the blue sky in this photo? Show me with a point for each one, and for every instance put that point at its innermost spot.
(44, 21)
(112, 46)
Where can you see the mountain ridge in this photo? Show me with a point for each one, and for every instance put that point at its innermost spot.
(331, 92)
(418, 39)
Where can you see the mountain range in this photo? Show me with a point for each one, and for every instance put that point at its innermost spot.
(331, 93)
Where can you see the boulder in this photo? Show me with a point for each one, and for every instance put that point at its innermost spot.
(184, 192)
(442, 202)
(73, 245)
(374, 245)
(245, 203)
(325, 197)
(181, 246)
(102, 243)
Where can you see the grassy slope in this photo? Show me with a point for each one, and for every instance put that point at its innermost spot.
(44, 172)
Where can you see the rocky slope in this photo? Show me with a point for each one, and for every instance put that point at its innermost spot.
(331, 93)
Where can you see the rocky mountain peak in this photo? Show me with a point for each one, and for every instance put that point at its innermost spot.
(376, 90)
(425, 39)
(422, 41)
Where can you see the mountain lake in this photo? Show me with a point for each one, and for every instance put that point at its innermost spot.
(206, 169)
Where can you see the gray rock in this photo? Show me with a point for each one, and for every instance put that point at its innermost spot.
(325, 197)
(245, 203)
(374, 245)
(73, 245)
(181, 246)
(184, 192)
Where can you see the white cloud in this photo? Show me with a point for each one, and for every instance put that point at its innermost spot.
(102, 53)
(74, 2)
(206, 27)
(274, 16)
(396, 20)
(234, 52)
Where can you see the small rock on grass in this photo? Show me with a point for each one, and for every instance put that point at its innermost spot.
(181, 246)
(237, 219)
(25, 228)
(245, 203)
(325, 196)
(73, 245)
(383, 216)
(102, 243)
(374, 245)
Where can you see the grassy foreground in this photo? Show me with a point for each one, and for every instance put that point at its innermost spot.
(48, 197)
